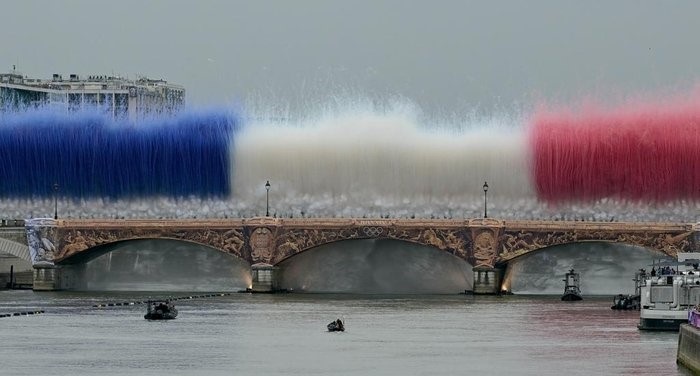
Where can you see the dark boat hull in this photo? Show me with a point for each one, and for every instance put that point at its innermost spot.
(629, 302)
(661, 324)
(334, 327)
(160, 311)
(160, 316)
(571, 297)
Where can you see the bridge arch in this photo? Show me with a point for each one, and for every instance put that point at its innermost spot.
(605, 267)
(15, 249)
(290, 251)
(583, 243)
(455, 241)
(375, 265)
(154, 264)
(75, 253)
(74, 240)
(667, 240)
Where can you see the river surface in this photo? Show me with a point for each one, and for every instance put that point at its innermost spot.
(244, 334)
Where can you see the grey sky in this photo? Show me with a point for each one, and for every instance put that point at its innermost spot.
(443, 55)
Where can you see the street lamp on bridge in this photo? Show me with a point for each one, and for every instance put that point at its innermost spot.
(55, 200)
(486, 189)
(267, 201)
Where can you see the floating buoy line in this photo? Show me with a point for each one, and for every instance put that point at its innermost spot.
(119, 304)
(27, 313)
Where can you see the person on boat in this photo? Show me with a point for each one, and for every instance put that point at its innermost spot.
(653, 272)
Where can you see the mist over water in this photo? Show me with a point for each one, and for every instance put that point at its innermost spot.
(161, 265)
(605, 268)
(376, 267)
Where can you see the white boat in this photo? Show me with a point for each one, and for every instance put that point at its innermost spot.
(670, 291)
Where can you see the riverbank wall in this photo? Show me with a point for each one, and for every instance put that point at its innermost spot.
(689, 348)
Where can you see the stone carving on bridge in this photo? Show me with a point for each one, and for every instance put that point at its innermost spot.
(485, 248)
(74, 241)
(373, 231)
(40, 233)
(517, 243)
(668, 243)
(452, 241)
(261, 243)
(230, 241)
(294, 241)
(233, 242)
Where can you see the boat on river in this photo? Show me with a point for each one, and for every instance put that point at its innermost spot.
(336, 326)
(631, 301)
(160, 310)
(626, 302)
(670, 291)
(572, 292)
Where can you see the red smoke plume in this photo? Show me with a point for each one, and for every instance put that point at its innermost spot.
(635, 152)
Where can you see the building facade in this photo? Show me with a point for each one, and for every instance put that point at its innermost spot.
(117, 96)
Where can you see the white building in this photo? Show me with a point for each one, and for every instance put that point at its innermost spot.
(118, 96)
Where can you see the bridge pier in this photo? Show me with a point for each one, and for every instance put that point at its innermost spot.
(46, 277)
(487, 281)
(265, 278)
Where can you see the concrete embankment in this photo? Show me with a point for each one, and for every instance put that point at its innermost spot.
(689, 348)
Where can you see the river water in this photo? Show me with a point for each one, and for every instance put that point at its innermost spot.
(244, 334)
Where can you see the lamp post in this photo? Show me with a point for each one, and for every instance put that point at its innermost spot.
(55, 200)
(267, 201)
(486, 189)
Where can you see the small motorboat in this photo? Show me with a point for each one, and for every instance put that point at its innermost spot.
(626, 302)
(572, 292)
(336, 326)
(160, 310)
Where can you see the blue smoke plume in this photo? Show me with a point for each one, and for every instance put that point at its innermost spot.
(89, 154)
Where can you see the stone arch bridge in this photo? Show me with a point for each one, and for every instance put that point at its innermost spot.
(486, 244)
